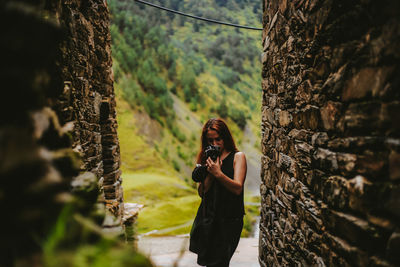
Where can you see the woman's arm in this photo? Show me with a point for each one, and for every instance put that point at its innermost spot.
(239, 174)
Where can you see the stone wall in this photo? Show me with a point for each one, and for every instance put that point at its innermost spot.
(330, 133)
(58, 129)
(36, 163)
(88, 98)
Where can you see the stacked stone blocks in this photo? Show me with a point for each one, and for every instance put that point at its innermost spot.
(88, 100)
(330, 133)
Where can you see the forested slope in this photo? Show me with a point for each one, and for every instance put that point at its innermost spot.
(172, 73)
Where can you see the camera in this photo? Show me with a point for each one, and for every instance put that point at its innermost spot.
(200, 172)
(212, 152)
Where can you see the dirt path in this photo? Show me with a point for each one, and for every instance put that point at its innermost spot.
(183, 112)
(173, 251)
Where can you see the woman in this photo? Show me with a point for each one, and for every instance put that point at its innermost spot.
(218, 224)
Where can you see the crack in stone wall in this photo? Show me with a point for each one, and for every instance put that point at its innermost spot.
(330, 133)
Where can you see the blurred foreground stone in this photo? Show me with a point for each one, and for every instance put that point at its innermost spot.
(59, 156)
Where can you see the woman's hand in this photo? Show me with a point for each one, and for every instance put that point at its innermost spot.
(236, 184)
(214, 168)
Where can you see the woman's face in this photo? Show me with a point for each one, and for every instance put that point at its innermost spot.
(213, 138)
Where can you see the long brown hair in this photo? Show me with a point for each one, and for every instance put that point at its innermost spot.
(222, 129)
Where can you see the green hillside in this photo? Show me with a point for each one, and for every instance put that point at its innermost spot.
(171, 74)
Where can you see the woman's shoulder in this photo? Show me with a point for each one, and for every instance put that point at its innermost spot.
(240, 155)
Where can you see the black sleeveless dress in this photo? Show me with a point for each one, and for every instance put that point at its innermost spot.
(218, 224)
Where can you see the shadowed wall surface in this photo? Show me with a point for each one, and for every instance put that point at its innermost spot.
(88, 98)
(330, 133)
(58, 132)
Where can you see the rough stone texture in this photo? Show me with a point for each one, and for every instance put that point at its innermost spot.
(330, 133)
(58, 129)
(88, 98)
(36, 162)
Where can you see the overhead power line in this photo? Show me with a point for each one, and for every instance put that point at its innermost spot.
(199, 18)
